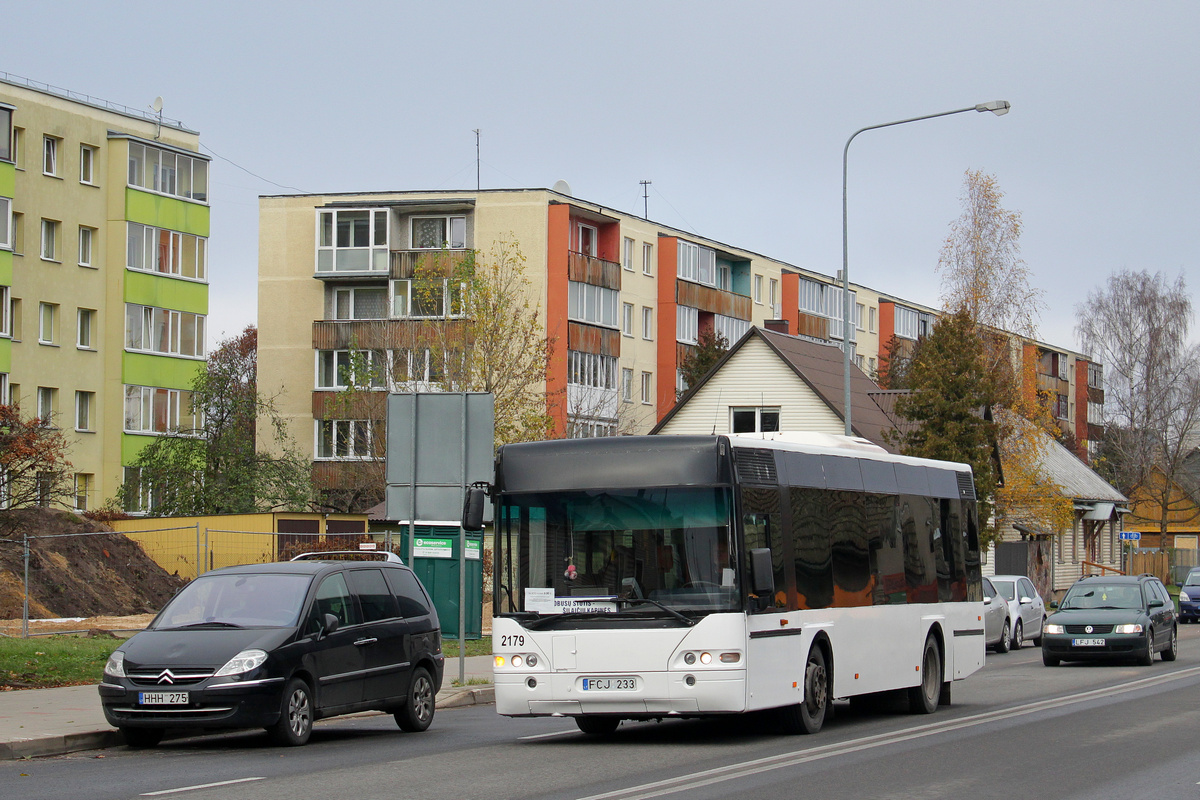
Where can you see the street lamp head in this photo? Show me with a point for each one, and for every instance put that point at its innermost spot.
(997, 107)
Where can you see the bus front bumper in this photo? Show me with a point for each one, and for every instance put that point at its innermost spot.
(645, 694)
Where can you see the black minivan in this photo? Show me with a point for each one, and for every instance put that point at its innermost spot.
(280, 646)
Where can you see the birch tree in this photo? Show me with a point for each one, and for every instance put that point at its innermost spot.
(1137, 326)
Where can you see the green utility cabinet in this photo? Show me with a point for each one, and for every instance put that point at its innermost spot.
(435, 559)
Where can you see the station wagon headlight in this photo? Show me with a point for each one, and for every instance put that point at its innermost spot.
(242, 662)
(1184, 595)
(1133, 627)
(115, 665)
(1052, 627)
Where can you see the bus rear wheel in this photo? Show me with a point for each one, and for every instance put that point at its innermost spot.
(923, 698)
(809, 716)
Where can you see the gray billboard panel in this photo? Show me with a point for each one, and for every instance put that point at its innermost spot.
(437, 443)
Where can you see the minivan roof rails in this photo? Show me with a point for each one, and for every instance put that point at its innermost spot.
(388, 556)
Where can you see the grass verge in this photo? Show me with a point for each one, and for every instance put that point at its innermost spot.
(44, 661)
(475, 647)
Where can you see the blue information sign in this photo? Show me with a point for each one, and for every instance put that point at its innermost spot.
(1131, 535)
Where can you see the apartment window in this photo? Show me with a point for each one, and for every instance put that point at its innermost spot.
(687, 324)
(86, 235)
(84, 318)
(627, 319)
(18, 147)
(871, 365)
(50, 230)
(352, 240)
(627, 253)
(696, 263)
(906, 323)
(7, 134)
(168, 172)
(151, 409)
(166, 252)
(83, 410)
(763, 419)
(46, 397)
(627, 385)
(871, 319)
(436, 233)
(647, 388)
(360, 302)
(14, 317)
(859, 360)
(433, 299)
(647, 323)
(5, 313)
(336, 369)
(348, 439)
(47, 319)
(1096, 375)
(591, 369)
(6, 236)
(18, 233)
(773, 295)
(1095, 412)
(87, 164)
(164, 331)
(647, 258)
(50, 155)
(731, 328)
(593, 304)
(83, 490)
(859, 315)
(5, 395)
(586, 238)
(758, 288)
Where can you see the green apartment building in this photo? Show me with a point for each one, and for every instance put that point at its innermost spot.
(104, 224)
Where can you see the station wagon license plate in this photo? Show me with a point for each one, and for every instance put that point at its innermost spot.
(615, 684)
(1087, 642)
(163, 698)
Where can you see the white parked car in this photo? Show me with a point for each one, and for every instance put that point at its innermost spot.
(1025, 608)
(997, 626)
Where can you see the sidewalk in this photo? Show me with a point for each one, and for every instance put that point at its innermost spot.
(46, 722)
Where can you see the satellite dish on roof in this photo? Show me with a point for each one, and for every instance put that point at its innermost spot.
(157, 104)
(562, 187)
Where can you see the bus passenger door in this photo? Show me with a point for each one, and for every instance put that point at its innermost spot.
(774, 662)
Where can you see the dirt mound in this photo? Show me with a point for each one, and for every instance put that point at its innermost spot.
(77, 568)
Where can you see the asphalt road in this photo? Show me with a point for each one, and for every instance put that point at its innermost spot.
(1015, 729)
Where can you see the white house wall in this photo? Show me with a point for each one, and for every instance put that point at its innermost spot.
(754, 376)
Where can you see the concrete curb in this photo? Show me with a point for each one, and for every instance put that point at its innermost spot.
(57, 745)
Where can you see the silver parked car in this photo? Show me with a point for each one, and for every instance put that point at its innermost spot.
(1025, 607)
(997, 626)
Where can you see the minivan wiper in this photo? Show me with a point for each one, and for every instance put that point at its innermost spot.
(686, 620)
(211, 622)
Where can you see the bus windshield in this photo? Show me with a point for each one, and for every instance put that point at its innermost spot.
(633, 547)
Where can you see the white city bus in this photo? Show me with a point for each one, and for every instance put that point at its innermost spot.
(653, 577)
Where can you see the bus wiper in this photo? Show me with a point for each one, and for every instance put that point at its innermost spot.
(542, 622)
(686, 620)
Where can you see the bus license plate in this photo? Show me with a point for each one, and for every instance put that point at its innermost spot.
(1087, 642)
(163, 698)
(618, 684)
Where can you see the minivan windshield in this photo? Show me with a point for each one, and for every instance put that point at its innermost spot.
(236, 601)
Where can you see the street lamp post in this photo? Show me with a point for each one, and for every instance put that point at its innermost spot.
(997, 107)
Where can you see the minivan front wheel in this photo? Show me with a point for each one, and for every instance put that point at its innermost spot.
(296, 717)
(142, 737)
(417, 713)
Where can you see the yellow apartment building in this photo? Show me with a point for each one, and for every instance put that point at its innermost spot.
(104, 224)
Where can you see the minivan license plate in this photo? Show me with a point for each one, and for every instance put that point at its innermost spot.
(618, 684)
(1088, 642)
(163, 698)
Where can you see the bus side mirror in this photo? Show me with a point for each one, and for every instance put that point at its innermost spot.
(472, 516)
(762, 571)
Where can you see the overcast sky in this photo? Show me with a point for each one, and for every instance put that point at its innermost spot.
(738, 113)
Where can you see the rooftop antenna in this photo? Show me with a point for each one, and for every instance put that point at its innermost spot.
(156, 106)
(645, 199)
(476, 158)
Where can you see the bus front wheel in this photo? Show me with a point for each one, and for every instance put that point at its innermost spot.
(809, 715)
(923, 698)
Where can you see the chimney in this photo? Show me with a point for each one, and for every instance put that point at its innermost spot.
(776, 325)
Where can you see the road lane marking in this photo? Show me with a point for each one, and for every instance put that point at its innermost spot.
(200, 786)
(747, 768)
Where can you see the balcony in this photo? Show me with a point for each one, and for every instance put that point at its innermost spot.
(717, 301)
(593, 270)
(444, 263)
(384, 334)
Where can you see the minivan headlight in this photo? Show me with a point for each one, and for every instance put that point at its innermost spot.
(115, 665)
(242, 662)
(1184, 595)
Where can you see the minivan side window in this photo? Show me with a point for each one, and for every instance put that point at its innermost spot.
(374, 598)
(334, 598)
(413, 601)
